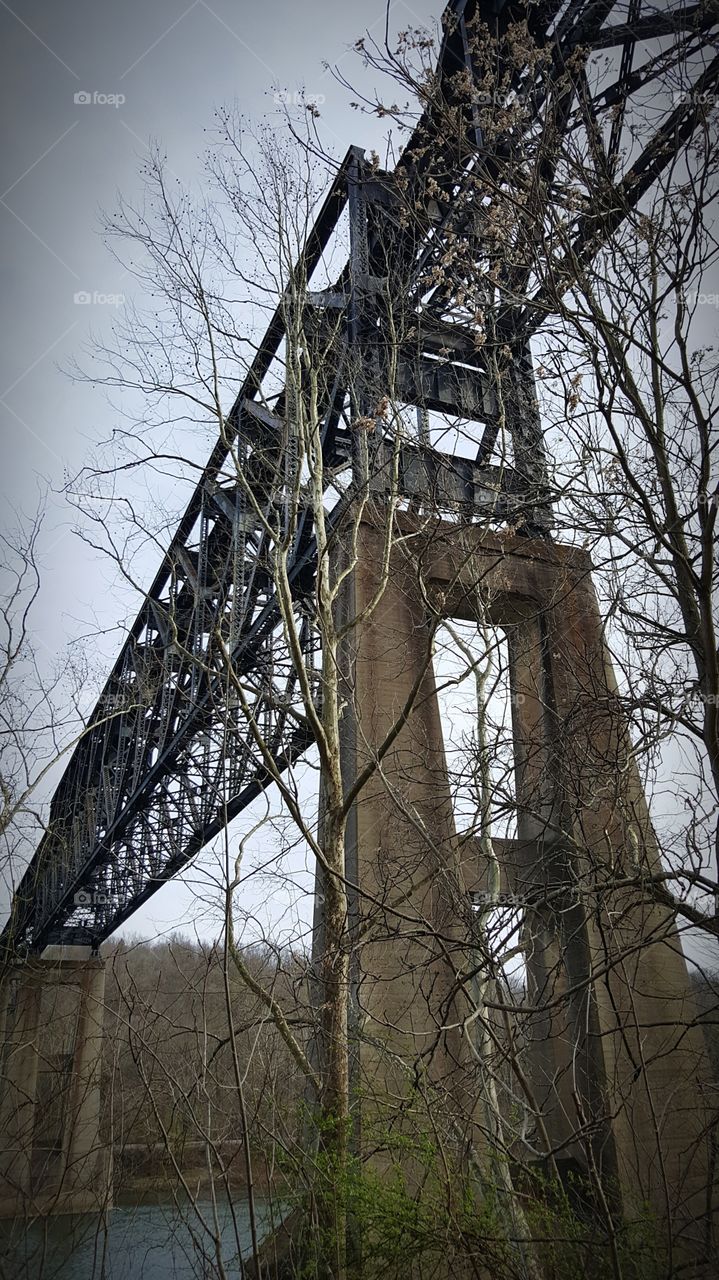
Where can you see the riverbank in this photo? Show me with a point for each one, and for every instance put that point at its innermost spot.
(139, 1169)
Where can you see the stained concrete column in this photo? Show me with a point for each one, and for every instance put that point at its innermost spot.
(52, 1154)
(413, 1064)
(566, 1074)
(619, 1063)
(18, 1083)
(657, 1079)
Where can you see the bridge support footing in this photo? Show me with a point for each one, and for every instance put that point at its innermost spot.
(53, 1158)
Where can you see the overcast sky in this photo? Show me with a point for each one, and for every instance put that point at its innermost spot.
(168, 65)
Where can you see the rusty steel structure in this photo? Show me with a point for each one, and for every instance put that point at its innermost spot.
(167, 761)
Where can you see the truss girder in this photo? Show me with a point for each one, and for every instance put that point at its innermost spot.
(170, 754)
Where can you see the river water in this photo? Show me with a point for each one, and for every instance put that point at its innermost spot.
(135, 1242)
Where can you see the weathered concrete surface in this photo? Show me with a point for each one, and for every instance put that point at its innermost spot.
(52, 1156)
(410, 912)
(618, 1068)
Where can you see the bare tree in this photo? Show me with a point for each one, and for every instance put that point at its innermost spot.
(442, 1164)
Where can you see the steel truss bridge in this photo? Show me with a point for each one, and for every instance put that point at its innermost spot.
(167, 759)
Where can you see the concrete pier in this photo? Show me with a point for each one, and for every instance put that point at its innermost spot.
(53, 1154)
(617, 1064)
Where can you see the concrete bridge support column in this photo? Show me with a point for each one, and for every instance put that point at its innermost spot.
(644, 1069)
(619, 1064)
(53, 1158)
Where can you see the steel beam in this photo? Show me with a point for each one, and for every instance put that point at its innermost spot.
(167, 758)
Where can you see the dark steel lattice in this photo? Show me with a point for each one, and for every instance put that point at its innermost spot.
(167, 759)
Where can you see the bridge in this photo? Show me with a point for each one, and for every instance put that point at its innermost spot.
(167, 760)
(140, 795)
